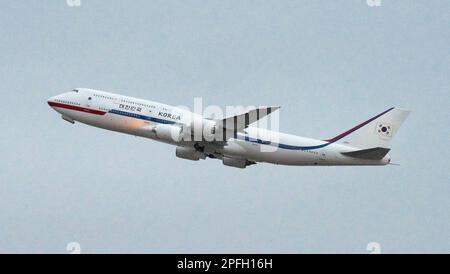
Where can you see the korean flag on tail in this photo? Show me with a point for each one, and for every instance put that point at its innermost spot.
(384, 130)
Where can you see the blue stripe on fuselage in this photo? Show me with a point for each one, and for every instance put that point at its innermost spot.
(239, 136)
(283, 146)
(142, 117)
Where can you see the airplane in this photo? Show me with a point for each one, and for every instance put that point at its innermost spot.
(231, 139)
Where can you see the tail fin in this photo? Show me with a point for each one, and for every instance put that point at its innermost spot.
(375, 132)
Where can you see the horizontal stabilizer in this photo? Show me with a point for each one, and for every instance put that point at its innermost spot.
(241, 121)
(376, 153)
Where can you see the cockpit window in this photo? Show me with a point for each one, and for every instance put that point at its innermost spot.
(90, 98)
(75, 90)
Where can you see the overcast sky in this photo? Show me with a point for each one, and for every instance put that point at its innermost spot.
(329, 64)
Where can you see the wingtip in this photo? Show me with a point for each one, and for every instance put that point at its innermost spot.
(271, 108)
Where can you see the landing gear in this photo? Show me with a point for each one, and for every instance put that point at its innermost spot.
(199, 148)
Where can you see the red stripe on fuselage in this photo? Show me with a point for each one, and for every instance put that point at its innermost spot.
(66, 106)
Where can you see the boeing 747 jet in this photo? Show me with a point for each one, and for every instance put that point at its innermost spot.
(232, 139)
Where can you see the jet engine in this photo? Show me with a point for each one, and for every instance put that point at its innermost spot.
(189, 153)
(239, 163)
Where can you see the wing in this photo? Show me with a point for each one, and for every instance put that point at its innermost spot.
(241, 121)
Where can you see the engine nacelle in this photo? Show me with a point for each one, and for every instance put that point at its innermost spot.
(189, 153)
(239, 163)
(168, 132)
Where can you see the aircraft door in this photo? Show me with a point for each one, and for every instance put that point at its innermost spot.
(91, 102)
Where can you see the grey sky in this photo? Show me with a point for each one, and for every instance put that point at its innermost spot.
(329, 64)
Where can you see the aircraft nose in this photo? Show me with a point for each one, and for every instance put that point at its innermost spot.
(52, 101)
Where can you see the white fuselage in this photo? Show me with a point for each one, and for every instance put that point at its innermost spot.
(139, 117)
